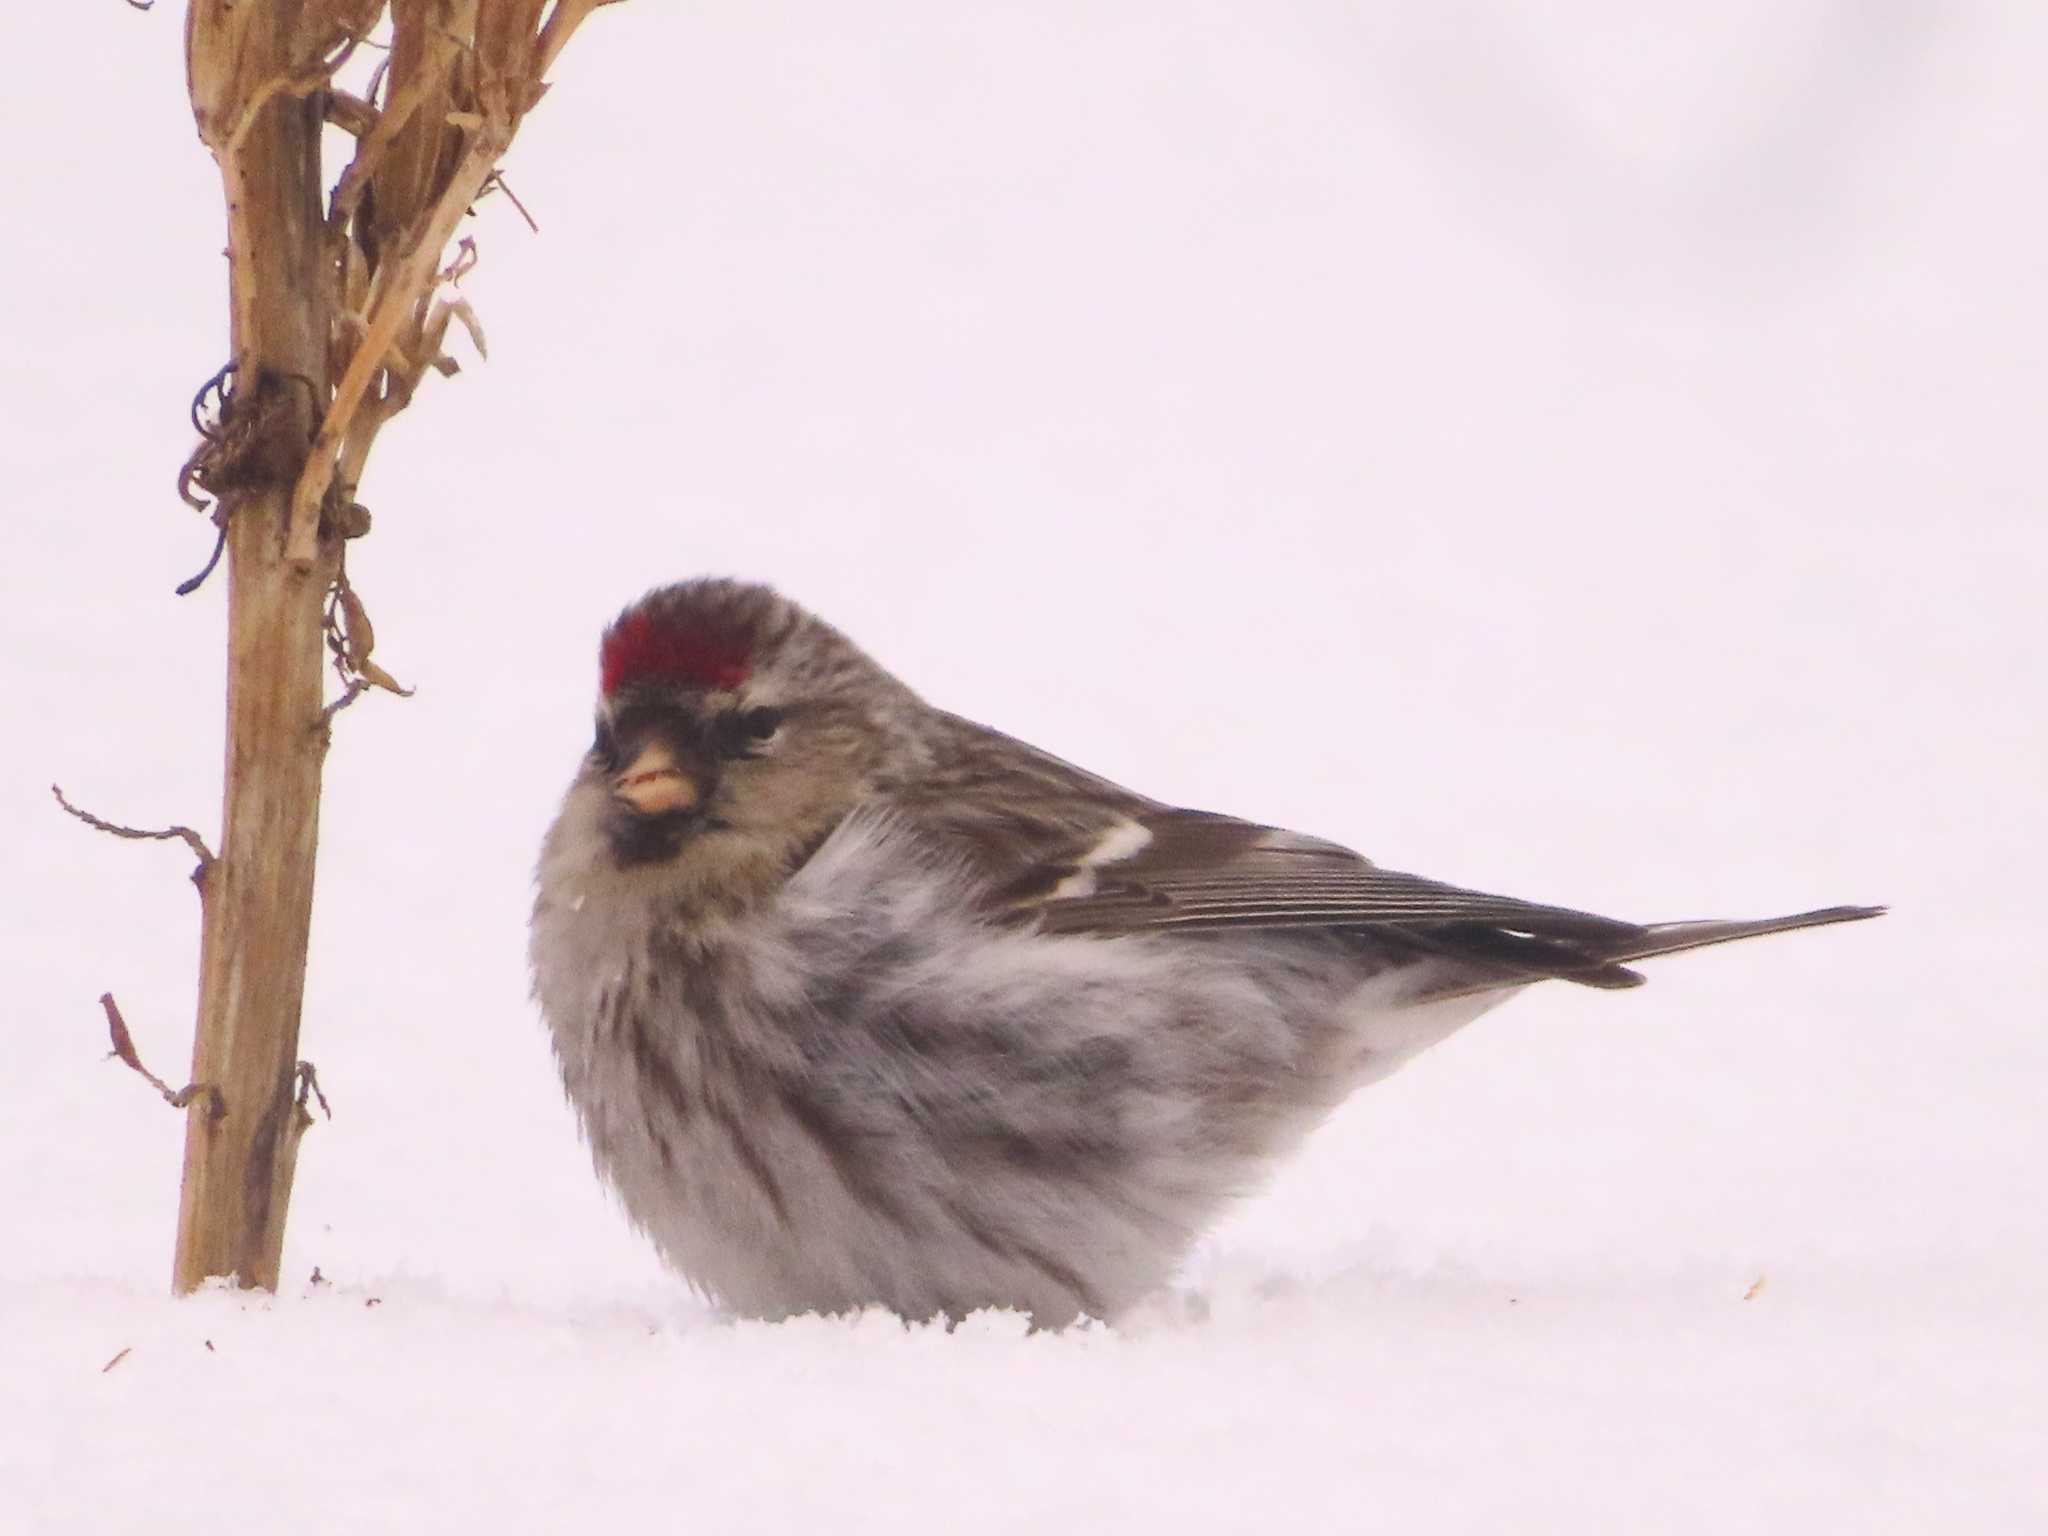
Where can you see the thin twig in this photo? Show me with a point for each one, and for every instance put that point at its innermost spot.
(218, 387)
(378, 75)
(351, 637)
(188, 472)
(177, 1098)
(562, 22)
(350, 113)
(356, 689)
(465, 259)
(498, 180)
(362, 434)
(191, 584)
(185, 835)
(309, 1083)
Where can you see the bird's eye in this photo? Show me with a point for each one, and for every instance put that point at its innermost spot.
(605, 748)
(750, 729)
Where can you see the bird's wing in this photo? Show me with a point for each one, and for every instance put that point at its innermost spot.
(1073, 853)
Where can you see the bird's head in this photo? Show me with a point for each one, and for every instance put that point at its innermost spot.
(734, 731)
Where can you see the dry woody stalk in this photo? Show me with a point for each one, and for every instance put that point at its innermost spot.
(341, 299)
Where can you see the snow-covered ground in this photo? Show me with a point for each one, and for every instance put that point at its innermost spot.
(1595, 455)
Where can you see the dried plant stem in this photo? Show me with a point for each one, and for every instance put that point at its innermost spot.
(334, 320)
(124, 1049)
(184, 835)
(562, 23)
(398, 290)
(375, 144)
(258, 896)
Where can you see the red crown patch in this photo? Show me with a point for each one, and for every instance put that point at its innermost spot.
(641, 649)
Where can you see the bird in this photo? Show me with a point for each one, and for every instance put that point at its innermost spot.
(862, 1004)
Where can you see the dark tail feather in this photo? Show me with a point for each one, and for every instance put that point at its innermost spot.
(1515, 960)
(1671, 938)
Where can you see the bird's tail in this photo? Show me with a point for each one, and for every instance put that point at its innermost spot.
(1510, 959)
(1671, 938)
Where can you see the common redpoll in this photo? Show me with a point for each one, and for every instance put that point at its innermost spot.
(862, 1003)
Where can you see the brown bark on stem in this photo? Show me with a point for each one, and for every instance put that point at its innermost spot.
(258, 896)
(311, 386)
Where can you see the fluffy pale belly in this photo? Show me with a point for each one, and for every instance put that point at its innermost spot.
(936, 1116)
(767, 1212)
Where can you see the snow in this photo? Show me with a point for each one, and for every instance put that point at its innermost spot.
(1442, 1401)
(1598, 460)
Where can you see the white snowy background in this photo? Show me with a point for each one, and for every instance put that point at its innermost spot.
(1594, 452)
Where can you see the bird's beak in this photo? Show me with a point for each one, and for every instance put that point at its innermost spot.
(653, 785)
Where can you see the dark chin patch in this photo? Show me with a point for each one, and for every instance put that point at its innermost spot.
(638, 839)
